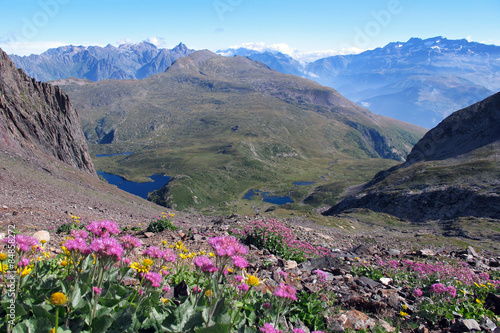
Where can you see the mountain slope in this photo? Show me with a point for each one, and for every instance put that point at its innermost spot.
(452, 172)
(128, 61)
(37, 117)
(45, 169)
(222, 126)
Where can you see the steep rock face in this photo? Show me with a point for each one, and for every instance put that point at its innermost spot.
(460, 133)
(38, 117)
(452, 172)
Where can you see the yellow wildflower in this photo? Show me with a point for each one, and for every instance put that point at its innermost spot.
(403, 314)
(164, 300)
(183, 256)
(26, 270)
(404, 306)
(3, 256)
(139, 267)
(202, 253)
(147, 262)
(164, 242)
(252, 280)
(209, 293)
(53, 330)
(64, 263)
(211, 254)
(483, 285)
(43, 241)
(58, 298)
(4, 267)
(478, 301)
(477, 285)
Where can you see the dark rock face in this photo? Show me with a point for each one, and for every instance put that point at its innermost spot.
(463, 131)
(38, 117)
(451, 172)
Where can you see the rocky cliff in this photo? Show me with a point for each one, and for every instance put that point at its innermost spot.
(38, 118)
(452, 172)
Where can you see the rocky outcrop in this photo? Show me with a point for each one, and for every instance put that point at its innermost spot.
(451, 172)
(38, 118)
(463, 131)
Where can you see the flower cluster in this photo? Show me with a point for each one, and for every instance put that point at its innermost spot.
(285, 291)
(103, 229)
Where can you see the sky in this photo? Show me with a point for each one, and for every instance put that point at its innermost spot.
(306, 30)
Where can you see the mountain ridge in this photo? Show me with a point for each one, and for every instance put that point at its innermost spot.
(451, 173)
(127, 61)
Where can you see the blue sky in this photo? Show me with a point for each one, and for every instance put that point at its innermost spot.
(303, 29)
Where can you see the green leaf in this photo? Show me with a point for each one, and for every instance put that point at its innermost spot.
(217, 328)
(33, 325)
(41, 312)
(102, 323)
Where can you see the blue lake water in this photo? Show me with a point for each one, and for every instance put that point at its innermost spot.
(117, 154)
(268, 198)
(303, 183)
(140, 189)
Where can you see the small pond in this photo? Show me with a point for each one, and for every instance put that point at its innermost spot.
(303, 183)
(266, 197)
(140, 189)
(116, 154)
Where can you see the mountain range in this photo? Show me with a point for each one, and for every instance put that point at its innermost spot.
(127, 61)
(224, 125)
(420, 81)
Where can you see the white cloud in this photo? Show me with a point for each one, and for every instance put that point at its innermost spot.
(27, 48)
(301, 56)
(156, 41)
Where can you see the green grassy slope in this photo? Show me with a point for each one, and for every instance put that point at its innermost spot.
(222, 126)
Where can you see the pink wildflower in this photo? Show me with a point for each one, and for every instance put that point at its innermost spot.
(107, 248)
(321, 275)
(154, 278)
(165, 288)
(97, 290)
(153, 252)
(298, 330)
(79, 245)
(227, 246)
(23, 262)
(417, 292)
(196, 290)
(239, 278)
(141, 292)
(267, 305)
(452, 291)
(79, 233)
(283, 274)
(285, 291)
(269, 328)
(22, 242)
(206, 265)
(240, 262)
(103, 228)
(438, 288)
(126, 261)
(168, 255)
(243, 287)
(130, 242)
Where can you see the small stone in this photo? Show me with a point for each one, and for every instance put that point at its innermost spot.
(386, 326)
(385, 281)
(488, 325)
(291, 264)
(394, 253)
(465, 325)
(471, 251)
(426, 253)
(2, 235)
(149, 234)
(42, 235)
(422, 329)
